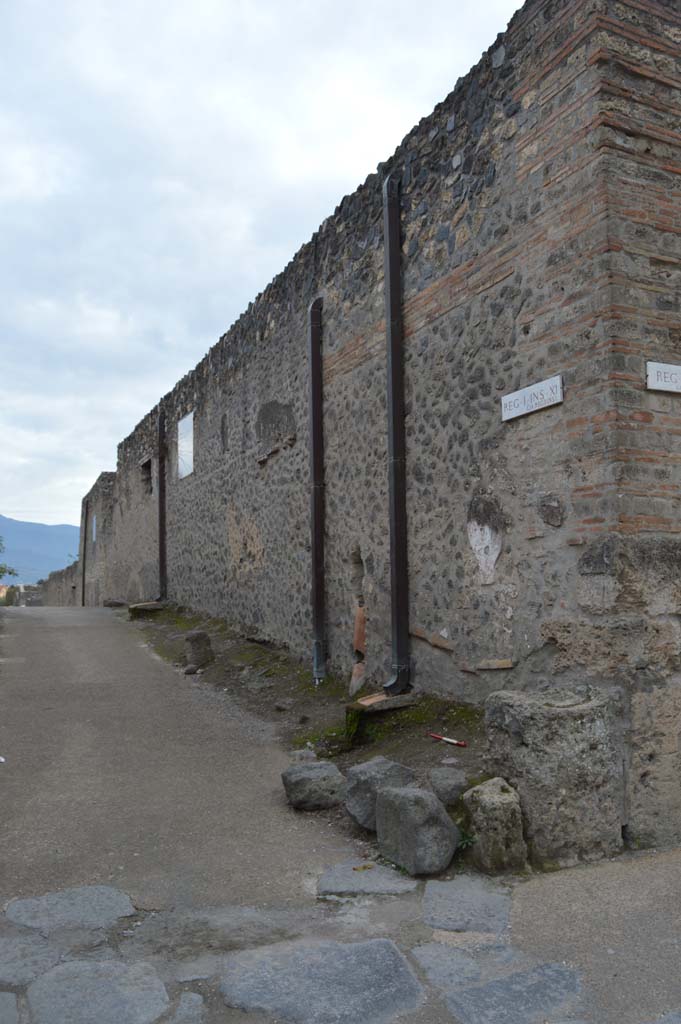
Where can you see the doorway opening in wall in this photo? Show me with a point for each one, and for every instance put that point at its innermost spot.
(357, 573)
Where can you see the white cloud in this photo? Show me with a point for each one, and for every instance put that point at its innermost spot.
(31, 170)
(161, 162)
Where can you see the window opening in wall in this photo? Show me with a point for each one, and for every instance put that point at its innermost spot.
(185, 446)
(147, 480)
(94, 529)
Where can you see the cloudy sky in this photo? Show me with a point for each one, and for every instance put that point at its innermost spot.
(160, 163)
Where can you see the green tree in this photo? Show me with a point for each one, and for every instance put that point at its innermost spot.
(5, 570)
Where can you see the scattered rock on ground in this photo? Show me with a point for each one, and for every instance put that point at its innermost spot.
(198, 648)
(323, 982)
(467, 904)
(414, 830)
(313, 786)
(448, 783)
(300, 756)
(364, 782)
(497, 824)
(87, 906)
(363, 878)
(90, 992)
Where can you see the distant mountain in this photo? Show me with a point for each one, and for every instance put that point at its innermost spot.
(36, 549)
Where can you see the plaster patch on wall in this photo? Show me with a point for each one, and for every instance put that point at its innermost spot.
(486, 534)
(486, 545)
(246, 548)
(275, 428)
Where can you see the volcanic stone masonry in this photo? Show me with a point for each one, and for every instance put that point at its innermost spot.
(541, 238)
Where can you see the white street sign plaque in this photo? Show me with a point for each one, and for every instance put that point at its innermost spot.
(664, 377)
(532, 399)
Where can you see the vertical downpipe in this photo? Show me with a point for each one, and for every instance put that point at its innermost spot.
(86, 521)
(317, 503)
(162, 556)
(397, 455)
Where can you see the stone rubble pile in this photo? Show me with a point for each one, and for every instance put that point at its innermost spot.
(413, 826)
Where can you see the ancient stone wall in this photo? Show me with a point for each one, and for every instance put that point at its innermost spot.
(541, 236)
(97, 526)
(63, 587)
(132, 565)
(628, 587)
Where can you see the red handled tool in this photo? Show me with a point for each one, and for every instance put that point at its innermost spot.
(446, 739)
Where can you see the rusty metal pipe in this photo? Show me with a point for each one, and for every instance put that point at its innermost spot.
(317, 498)
(397, 452)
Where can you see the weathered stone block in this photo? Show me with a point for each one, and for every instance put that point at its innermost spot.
(198, 648)
(313, 786)
(562, 751)
(497, 823)
(449, 784)
(414, 830)
(364, 782)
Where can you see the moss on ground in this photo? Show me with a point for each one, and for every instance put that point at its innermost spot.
(272, 683)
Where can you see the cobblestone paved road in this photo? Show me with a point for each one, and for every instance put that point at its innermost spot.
(235, 908)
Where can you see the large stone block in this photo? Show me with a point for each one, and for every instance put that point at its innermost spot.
(313, 786)
(562, 750)
(414, 830)
(497, 824)
(364, 782)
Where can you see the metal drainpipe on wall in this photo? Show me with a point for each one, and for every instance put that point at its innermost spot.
(397, 460)
(317, 497)
(161, 498)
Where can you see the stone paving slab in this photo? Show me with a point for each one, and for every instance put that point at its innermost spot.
(182, 933)
(362, 878)
(323, 982)
(190, 1009)
(208, 965)
(24, 957)
(87, 906)
(446, 967)
(87, 992)
(526, 997)
(9, 1013)
(467, 904)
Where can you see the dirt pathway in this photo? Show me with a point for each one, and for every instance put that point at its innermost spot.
(121, 771)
